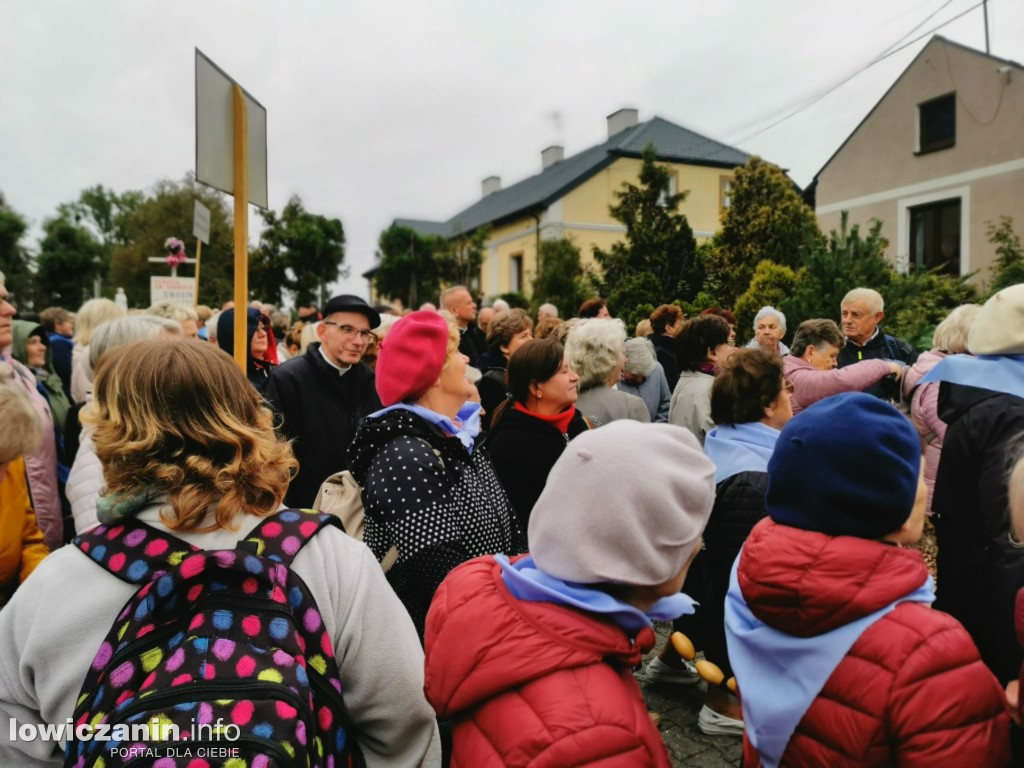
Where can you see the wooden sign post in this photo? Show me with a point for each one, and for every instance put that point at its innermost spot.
(231, 155)
(241, 154)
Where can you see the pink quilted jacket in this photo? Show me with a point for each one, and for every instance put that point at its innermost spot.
(811, 385)
(42, 463)
(924, 412)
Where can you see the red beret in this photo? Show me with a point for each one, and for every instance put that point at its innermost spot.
(411, 357)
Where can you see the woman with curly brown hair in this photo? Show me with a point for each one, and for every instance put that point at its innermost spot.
(189, 449)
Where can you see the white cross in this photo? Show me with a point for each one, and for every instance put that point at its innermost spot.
(163, 260)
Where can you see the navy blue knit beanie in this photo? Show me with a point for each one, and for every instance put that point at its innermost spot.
(226, 328)
(846, 466)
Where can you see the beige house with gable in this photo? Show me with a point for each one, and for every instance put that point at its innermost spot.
(939, 157)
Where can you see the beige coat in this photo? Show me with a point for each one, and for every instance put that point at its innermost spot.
(691, 403)
(603, 404)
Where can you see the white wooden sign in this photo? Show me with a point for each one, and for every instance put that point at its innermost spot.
(180, 290)
(201, 222)
(215, 138)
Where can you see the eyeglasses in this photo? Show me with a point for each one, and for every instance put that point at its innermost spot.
(788, 386)
(349, 331)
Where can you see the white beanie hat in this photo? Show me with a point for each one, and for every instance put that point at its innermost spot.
(600, 521)
(998, 328)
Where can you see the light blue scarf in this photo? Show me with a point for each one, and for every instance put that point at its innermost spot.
(466, 426)
(527, 582)
(780, 675)
(740, 448)
(997, 373)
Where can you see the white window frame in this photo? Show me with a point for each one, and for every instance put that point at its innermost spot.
(903, 217)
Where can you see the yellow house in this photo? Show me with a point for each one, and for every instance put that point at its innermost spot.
(571, 196)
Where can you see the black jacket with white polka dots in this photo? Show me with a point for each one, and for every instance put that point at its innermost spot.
(426, 495)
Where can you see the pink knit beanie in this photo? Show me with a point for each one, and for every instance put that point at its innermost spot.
(411, 357)
(598, 521)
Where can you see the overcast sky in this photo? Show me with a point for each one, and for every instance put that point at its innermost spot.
(378, 110)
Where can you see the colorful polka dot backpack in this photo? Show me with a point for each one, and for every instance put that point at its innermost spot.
(220, 660)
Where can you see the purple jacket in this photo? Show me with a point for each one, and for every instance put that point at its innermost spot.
(811, 385)
(42, 463)
(924, 412)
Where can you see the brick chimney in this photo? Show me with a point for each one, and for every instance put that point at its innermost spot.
(490, 185)
(621, 120)
(551, 155)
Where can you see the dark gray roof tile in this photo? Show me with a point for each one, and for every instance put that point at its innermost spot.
(423, 227)
(672, 142)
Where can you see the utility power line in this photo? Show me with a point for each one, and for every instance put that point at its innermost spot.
(800, 108)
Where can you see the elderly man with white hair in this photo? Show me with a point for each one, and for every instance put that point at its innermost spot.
(769, 328)
(644, 377)
(547, 310)
(862, 310)
(484, 317)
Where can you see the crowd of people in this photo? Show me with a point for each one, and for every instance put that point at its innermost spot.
(533, 494)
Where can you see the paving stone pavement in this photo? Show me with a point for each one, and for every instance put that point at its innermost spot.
(679, 706)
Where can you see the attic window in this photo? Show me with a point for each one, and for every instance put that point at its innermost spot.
(936, 121)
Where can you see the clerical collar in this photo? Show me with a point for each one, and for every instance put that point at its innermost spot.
(342, 370)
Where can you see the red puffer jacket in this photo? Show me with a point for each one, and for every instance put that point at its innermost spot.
(912, 691)
(534, 684)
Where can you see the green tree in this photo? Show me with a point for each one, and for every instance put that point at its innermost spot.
(914, 302)
(767, 219)
(460, 259)
(298, 250)
(515, 300)
(268, 265)
(313, 251)
(104, 211)
(70, 259)
(917, 302)
(1008, 268)
(845, 260)
(407, 268)
(771, 284)
(657, 263)
(559, 277)
(108, 218)
(14, 258)
(167, 212)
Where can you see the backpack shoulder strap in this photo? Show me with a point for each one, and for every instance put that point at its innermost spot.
(281, 536)
(136, 552)
(132, 550)
(894, 347)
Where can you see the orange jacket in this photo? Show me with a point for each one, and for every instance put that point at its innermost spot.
(21, 542)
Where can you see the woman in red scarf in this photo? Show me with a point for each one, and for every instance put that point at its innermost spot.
(530, 431)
